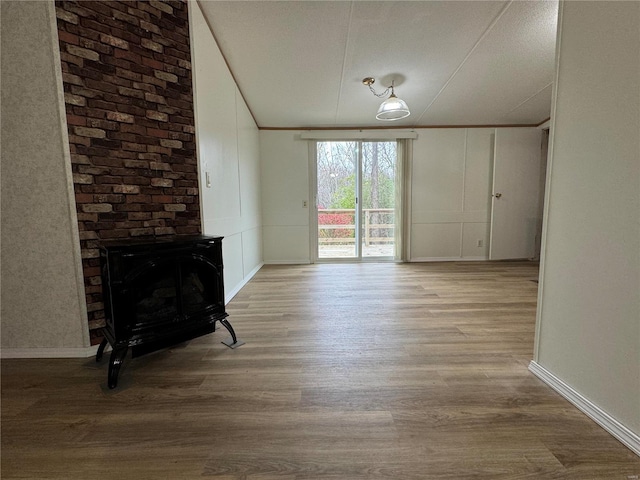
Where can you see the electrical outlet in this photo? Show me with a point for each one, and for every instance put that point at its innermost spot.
(304, 204)
(480, 243)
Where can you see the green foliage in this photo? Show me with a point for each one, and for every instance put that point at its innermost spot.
(344, 197)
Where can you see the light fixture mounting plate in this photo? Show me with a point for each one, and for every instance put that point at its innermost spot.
(368, 81)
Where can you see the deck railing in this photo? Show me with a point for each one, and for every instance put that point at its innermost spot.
(337, 226)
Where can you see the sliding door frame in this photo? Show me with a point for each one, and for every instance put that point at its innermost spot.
(403, 159)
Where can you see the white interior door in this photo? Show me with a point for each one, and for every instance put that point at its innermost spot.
(516, 187)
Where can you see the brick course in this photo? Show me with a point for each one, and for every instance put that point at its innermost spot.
(126, 69)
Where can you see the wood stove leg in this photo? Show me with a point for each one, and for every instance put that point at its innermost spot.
(232, 342)
(101, 349)
(115, 362)
(228, 326)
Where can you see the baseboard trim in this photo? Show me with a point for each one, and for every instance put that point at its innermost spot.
(447, 259)
(586, 406)
(81, 352)
(287, 262)
(229, 296)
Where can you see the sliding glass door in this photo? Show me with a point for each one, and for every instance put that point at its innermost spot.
(356, 200)
(336, 199)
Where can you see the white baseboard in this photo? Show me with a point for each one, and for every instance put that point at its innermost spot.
(593, 411)
(80, 352)
(447, 259)
(245, 280)
(287, 262)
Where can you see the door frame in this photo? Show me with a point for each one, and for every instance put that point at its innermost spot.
(313, 205)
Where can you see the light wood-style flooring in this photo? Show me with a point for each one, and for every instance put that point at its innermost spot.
(349, 372)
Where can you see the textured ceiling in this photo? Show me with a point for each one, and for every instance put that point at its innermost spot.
(301, 63)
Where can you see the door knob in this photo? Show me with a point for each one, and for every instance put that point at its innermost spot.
(498, 195)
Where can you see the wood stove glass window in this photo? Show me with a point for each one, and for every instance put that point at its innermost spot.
(201, 287)
(155, 300)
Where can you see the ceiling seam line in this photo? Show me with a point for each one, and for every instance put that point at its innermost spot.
(529, 98)
(464, 60)
(344, 62)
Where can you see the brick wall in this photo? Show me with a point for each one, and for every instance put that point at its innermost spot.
(126, 70)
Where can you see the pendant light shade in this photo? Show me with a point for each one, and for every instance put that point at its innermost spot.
(393, 108)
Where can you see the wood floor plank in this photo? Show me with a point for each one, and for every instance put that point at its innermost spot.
(349, 372)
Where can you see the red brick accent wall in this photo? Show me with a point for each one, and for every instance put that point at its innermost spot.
(126, 69)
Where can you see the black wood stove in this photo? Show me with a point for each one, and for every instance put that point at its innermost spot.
(160, 292)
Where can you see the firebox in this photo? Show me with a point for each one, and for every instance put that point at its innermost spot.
(160, 292)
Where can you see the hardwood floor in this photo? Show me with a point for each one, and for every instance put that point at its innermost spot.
(349, 372)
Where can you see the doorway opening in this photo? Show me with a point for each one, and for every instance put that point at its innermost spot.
(357, 200)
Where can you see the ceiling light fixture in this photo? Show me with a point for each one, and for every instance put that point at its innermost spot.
(392, 108)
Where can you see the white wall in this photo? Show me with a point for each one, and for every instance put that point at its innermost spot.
(43, 306)
(589, 304)
(451, 175)
(451, 193)
(285, 185)
(228, 153)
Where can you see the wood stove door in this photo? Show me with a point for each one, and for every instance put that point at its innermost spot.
(201, 286)
(153, 297)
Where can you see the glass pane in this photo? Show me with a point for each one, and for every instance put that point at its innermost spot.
(154, 297)
(378, 198)
(201, 288)
(336, 163)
